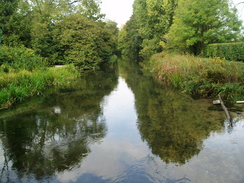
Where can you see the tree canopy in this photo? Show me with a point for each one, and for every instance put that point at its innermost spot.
(197, 23)
(186, 25)
(62, 31)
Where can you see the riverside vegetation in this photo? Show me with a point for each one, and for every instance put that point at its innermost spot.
(36, 35)
(157, 30)
(18, 85)
(200, 77)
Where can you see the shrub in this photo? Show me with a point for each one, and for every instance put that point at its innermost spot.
(20, 58)
(84, 43)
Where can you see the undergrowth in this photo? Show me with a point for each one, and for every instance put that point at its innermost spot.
(200, 77)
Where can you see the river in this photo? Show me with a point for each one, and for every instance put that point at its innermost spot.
(119, 125)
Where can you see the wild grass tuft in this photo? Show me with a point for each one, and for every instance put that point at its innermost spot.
(200, 77)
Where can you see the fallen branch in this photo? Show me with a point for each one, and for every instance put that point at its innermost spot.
(225, 109)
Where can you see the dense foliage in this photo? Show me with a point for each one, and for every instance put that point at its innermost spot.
(146, 27)
(17, 58)
(129, 39)
(83, 42)
(185, 25)
(198, 23)
(36, 34)
(62, 31)
(229, 51)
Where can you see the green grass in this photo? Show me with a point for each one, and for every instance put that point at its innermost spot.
(18, 85)
(200, 77)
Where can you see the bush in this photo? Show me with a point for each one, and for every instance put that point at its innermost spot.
(229, 51)
(20, 58)
(84, 43)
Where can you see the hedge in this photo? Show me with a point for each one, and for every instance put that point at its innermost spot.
(229, 51)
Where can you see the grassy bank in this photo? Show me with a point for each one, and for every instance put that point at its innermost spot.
(18, 85)
(200, 77)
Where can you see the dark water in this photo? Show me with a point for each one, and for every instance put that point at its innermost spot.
(119, 125)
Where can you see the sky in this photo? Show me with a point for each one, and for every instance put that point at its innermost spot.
(120, 11)
(240, 8)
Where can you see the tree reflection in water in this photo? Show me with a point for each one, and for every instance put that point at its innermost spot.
(56, 136)
(173, 125)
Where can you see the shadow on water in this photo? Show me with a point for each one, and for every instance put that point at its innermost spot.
(40, 141)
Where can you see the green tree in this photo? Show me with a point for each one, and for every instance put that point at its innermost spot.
(46, 14)
(15, 18)
(112, 28)
(158, 20)
(150, 21)
(198, 23)
(84, 42)
(1, 34)
(122, 42)
(48, 18)
(129, 40)
(134, 38)
(7, 9)
(91, 9)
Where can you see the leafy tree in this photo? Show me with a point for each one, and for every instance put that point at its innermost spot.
(38, 24)
(46, 14)
(15, 18)
(83, 42)
(150, 21)
(1, 34)
(123, 42)
(134, 38)
(91, 9)
(158, 20)
(112, 28)
(129, 40)
(198, 23)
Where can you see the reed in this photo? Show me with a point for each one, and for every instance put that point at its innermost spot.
(18, 85)
(200, 77)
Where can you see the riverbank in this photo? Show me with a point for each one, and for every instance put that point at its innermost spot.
(200, 77)
(17, 86)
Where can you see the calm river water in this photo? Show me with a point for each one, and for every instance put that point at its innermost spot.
(119, 125)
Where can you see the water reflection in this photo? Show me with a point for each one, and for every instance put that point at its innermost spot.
(119, 128)
(39, 143)
(173, 125)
